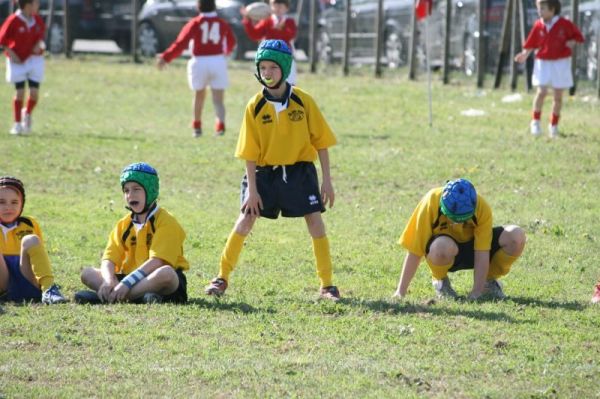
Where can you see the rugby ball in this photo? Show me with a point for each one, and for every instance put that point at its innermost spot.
(258, 10)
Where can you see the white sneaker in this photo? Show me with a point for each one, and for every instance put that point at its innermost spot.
(25, 121)
(553, 131)
(17, 129)
(535, 127)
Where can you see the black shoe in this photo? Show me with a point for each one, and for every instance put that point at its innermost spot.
(87, 297)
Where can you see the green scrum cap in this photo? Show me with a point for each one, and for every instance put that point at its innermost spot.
(146, 176)
(278, 52)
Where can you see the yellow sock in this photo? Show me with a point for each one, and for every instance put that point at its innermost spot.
(323, 257)
(230, 254)
(439, 272)
(500, 264)
(40, 264)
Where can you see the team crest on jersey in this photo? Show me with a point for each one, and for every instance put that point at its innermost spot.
(133, 241)
(296, 115)
(266, 118)
(149, 240)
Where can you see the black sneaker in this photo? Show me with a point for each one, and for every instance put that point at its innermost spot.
(86, 297)
(53, 296)
(151, 297)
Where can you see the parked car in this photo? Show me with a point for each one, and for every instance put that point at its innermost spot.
(88, 19)
(161, 21)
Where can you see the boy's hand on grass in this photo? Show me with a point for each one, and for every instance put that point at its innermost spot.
(119, 294)
(397, 295)
(104, 291)
(327, 193)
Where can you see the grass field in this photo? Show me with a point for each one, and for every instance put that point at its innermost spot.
(270, 336)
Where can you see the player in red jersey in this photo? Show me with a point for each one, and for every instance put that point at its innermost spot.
(279, 26)
(21, 36)
(553, 37)
(213, 39)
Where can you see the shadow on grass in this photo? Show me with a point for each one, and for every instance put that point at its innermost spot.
(367, 136)
(56, 135)
(220, 304)
(430, 307)
(570, 305)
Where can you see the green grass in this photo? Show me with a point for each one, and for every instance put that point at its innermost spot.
(269, 336)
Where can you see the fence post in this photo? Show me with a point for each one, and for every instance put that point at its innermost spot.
(134, 32)
(575, 19)
(49, 22)
(66, 29)
(598, 62)
(447, 32)
(346, 61)
(312, 37)
(412, 51)
(378, 38)
(523, 29)
(514, 46)
(504, 42)
(481, 45)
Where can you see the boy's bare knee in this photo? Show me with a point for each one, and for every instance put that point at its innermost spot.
(166, 277)
(442, 251)
(87, 274)
(513, 240)
(244, 224)
(29, 241)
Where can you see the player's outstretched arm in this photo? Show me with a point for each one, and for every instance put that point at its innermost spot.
(481, 267)
(409, 268)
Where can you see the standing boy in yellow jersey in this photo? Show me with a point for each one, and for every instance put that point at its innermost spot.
(452, 228)
(143, 260)
(25, 272)
(282, 133)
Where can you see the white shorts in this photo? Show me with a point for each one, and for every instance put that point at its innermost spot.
(31, 69)
(553, 73)
(207, 70)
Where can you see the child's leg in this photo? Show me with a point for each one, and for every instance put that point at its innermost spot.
(198, 105)
(440, 257)
(3, 275)
(538, 102)
(35, 264)
(92, 278)
(235, 243)
(218, 97)
(556, 106)
(18, 100)
(512, 242)
(320, 242)
(162, 281)
(33, 97)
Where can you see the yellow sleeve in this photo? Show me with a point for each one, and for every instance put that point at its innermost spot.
(483, 230)
(419, 230)
(321, 135)
(167, 243)
(114, 251)
(248, 145)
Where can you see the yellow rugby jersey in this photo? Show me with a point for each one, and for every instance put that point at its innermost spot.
(10, 240)
(428, 220)
(161, 237)
(293, 134)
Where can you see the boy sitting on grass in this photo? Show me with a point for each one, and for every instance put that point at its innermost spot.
(25, 272)
(143, 260)
(452, 227)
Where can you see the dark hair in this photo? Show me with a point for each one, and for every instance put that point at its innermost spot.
(553, 5)
(207, 5)
(284, 2)
(23, 3)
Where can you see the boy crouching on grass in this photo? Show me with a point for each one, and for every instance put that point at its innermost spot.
(143, 261)
(25, 272)
(452, 227)
(282, 133)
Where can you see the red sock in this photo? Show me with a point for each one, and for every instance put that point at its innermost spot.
(30, 105)
(554, 119)
(219, 126)
(537, 115)
(196, 124)
(17, 105)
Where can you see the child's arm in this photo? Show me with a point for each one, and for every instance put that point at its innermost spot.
(481, 267)
(179, 45)
(121, 290)
(522, 56)
(107, 270)
(409, 268)
(327, 193)
(13, 56)
(253, 202)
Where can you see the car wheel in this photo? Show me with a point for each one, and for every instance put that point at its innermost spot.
(56, 39)
(324, 49)
(393, 49)
(469, 55)
(148, 40)
(592, 60)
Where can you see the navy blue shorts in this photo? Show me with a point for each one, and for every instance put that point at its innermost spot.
(19, 288)
(466, 250)
(180, 294)
(294, 193)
